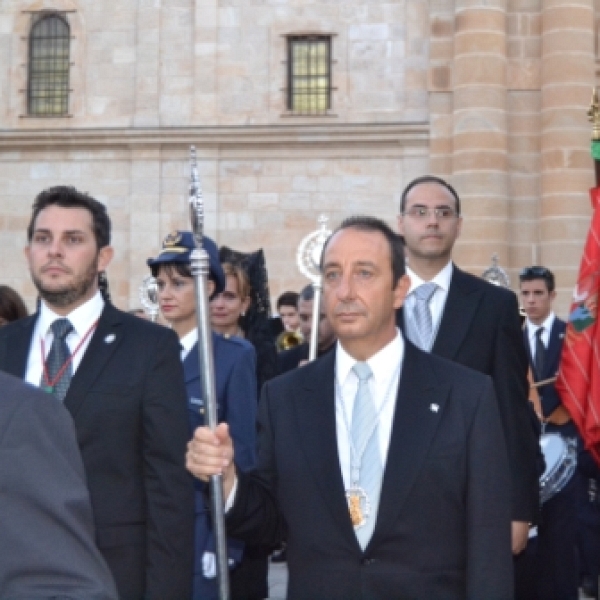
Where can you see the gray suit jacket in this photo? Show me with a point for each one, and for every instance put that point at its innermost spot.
(47, 546)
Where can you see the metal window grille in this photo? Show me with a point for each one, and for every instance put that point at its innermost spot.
(48, 86)
(309, 74)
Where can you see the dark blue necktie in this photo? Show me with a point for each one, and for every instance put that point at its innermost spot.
(540, 353)
(57, 358)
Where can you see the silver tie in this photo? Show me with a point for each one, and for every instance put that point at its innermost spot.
(422, 333)
(365, 439)
(59, 359)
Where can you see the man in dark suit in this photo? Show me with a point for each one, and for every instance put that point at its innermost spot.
(386, 466)
(297, 356)
(121, 379)
(475, 324)
(554, 570)
(47, 546)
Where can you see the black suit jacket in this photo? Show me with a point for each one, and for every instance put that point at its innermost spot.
(480, 328)
(128, 401)
(46, 521)
(290, 359)
(443, 525)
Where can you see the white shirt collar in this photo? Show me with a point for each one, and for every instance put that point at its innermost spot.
(82, 318)
(391, 354)
(188, 340)
(442, 279)
(547, 325)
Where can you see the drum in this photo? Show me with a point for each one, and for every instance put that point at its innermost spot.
(560, 455)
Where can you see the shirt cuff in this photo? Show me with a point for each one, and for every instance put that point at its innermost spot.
(231, 498)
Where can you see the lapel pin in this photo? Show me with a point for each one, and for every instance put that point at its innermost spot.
(110, 338)
(434, 407)
(561, 336)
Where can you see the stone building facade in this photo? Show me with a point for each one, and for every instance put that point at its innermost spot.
(491, 95)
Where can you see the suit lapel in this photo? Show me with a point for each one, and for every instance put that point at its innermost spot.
(554, 349)
(315, 413)
(459, 309)
(18, 345)
(105, 341)
(528, 349)
(419, 410)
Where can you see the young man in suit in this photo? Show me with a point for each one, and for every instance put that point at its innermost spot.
(385, 466)
(121, 379)
(296, 357)
(47, 546)
(473, 323)
(554, 572)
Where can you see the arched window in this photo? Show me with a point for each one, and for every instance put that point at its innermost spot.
(48, 86)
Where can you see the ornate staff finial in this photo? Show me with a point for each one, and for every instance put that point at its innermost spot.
(196, 201)
(594, 115)
(308, 255)
(149, 297)
(496, 274)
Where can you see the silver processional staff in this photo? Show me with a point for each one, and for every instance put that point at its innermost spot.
(308, 258)
(200, 266)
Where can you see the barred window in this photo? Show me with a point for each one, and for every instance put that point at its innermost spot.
(309, 74)
(48, 85)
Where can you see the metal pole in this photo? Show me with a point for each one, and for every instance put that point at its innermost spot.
(316, 318)
(200, 266)
(308, 258)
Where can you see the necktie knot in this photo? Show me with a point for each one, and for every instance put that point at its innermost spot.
(539, 333)
(362, 370)
(61, 328)
(425, 291)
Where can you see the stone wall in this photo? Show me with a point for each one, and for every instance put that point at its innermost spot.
(490, 94)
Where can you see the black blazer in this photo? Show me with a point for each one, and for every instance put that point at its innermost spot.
(480, 328)
(443, 525)
(128, 401)
(46, 515)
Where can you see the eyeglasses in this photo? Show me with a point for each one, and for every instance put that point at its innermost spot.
(442, 213)
(534, 272)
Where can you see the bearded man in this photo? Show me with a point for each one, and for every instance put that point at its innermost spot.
(121, 379)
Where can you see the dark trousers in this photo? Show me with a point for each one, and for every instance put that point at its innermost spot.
(548, 569)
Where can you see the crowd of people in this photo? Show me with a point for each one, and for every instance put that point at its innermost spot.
(425, 453)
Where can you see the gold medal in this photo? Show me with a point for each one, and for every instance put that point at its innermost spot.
(358, 506)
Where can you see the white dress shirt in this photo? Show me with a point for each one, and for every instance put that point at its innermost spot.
(532, 330)
(438, 300)
(383, 385)
(187, 342)
(82, 318)
(386, 366)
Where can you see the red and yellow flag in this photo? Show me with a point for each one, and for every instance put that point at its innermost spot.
(578, 380)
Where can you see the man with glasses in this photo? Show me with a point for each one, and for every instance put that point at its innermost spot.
(553, 571)
(463, 318)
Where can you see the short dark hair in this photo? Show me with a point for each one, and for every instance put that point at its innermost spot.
(170, 268)
(68, 197)
(372, 224)
(288, 299)
(428, 179)
(12, 306)
(538, 272)
(307, 293)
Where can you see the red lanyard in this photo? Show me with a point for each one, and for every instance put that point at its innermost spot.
(49, 385)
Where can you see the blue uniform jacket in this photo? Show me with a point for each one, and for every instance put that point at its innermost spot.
(235, 382)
